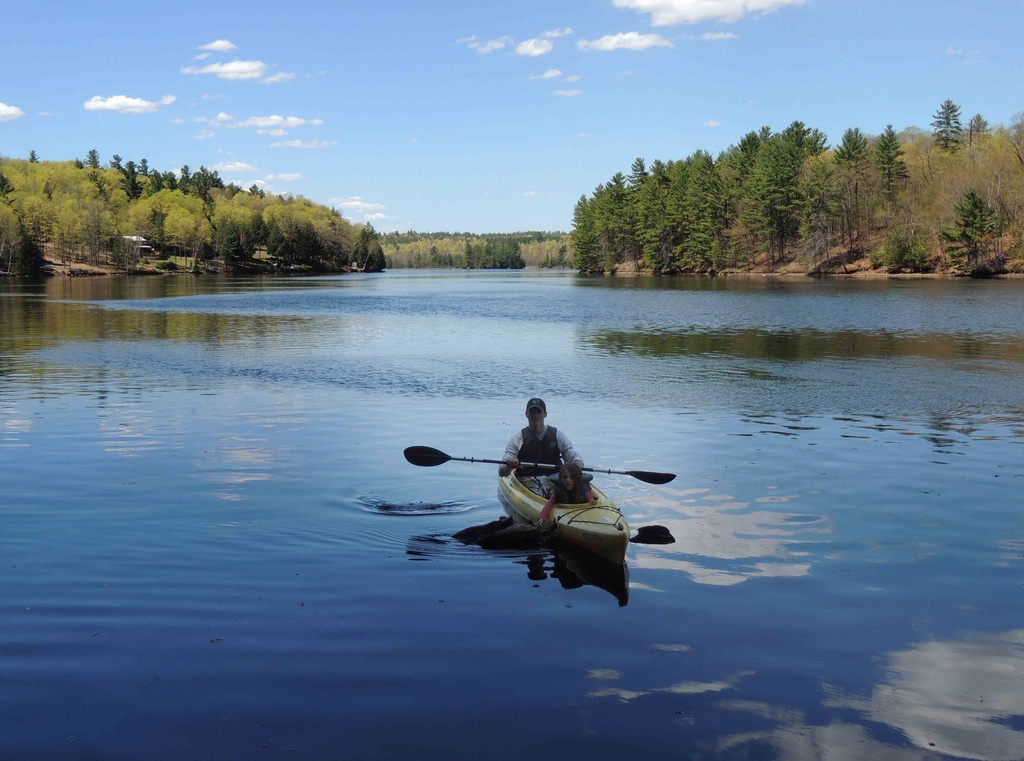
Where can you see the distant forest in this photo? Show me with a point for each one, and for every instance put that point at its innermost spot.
(468, 250)
(129, 216)
(948, 200)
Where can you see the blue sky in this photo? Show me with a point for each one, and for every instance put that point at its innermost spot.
(480, 115)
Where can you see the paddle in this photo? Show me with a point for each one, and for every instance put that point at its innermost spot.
(428, 457)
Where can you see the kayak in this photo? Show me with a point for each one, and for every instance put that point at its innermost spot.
(600, 528)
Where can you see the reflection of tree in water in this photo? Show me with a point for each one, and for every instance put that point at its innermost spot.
(806, 344)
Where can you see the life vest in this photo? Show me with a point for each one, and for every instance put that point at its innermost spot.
(577, 496)
(539, 449)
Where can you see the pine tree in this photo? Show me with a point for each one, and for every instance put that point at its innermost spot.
(92, 159)
(973, 228)
(584, 236)
(887, 157)
(33, 157)
(948, 129)
(851, 157)
(976, 127)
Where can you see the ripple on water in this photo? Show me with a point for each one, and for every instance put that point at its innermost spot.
(387, 507)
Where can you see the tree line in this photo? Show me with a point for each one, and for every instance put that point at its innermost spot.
(83, 211)
(949, 199)
(445, 250)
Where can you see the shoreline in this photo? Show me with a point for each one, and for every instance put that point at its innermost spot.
(859, 270)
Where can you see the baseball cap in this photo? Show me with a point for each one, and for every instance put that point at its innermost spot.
(535, 402)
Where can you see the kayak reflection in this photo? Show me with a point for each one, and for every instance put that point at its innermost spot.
(575, 567)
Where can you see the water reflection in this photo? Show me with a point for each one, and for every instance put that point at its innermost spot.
(572, 568)
(810, 343)
(747, 542)
(695, 344)
(961, 698)
(678, 688)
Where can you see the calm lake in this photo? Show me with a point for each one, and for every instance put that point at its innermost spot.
(211, 546)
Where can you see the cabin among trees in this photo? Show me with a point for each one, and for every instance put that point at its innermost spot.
(126, 215)
(946, 200)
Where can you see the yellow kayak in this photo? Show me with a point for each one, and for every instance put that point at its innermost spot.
(600, 528)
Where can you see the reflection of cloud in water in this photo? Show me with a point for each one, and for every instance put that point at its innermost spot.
(755, 542)
(672, 648)
(680, 688)
(129, 431)
(796, 741)
(961, 698)
(1012, 552)
(16, 422)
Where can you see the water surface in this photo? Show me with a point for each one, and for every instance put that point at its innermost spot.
(211, 547)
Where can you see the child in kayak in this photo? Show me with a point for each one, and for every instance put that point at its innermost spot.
(571, 487)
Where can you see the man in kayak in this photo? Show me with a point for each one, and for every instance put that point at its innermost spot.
(538, 442)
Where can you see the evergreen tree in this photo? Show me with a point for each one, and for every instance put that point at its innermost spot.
(773, 188)
(130, 182)
(33, 157)
(976, 127)
(820, 191)
(851, 158)
(115, 162)
(5, 186)
(584, 236)
(374, 251)
(703, 201)
(92, 159)
(948, 129)
(637, 173)
(973, 229)
(887, 157)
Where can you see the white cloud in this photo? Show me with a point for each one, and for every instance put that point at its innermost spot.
(717, 36)
(672, 12)
(281, 76)
(276, 132)
(567, 93)
(125, 105)
(712, 123)
(230, 70)
(219, 46)
(201, 57)
(212, 96)
(573, 78)
(625, 41)
(275, 121)
(356, 204)
(953, 51)
(178, 120)
(585, 135)
(549, 74)
(556, 33)
(286, 177)
(534, 48)
(490, 46)
(304, 144)
(9, 113)
(377, 216)
(529, 193)
(233, 166)
(206, 134)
